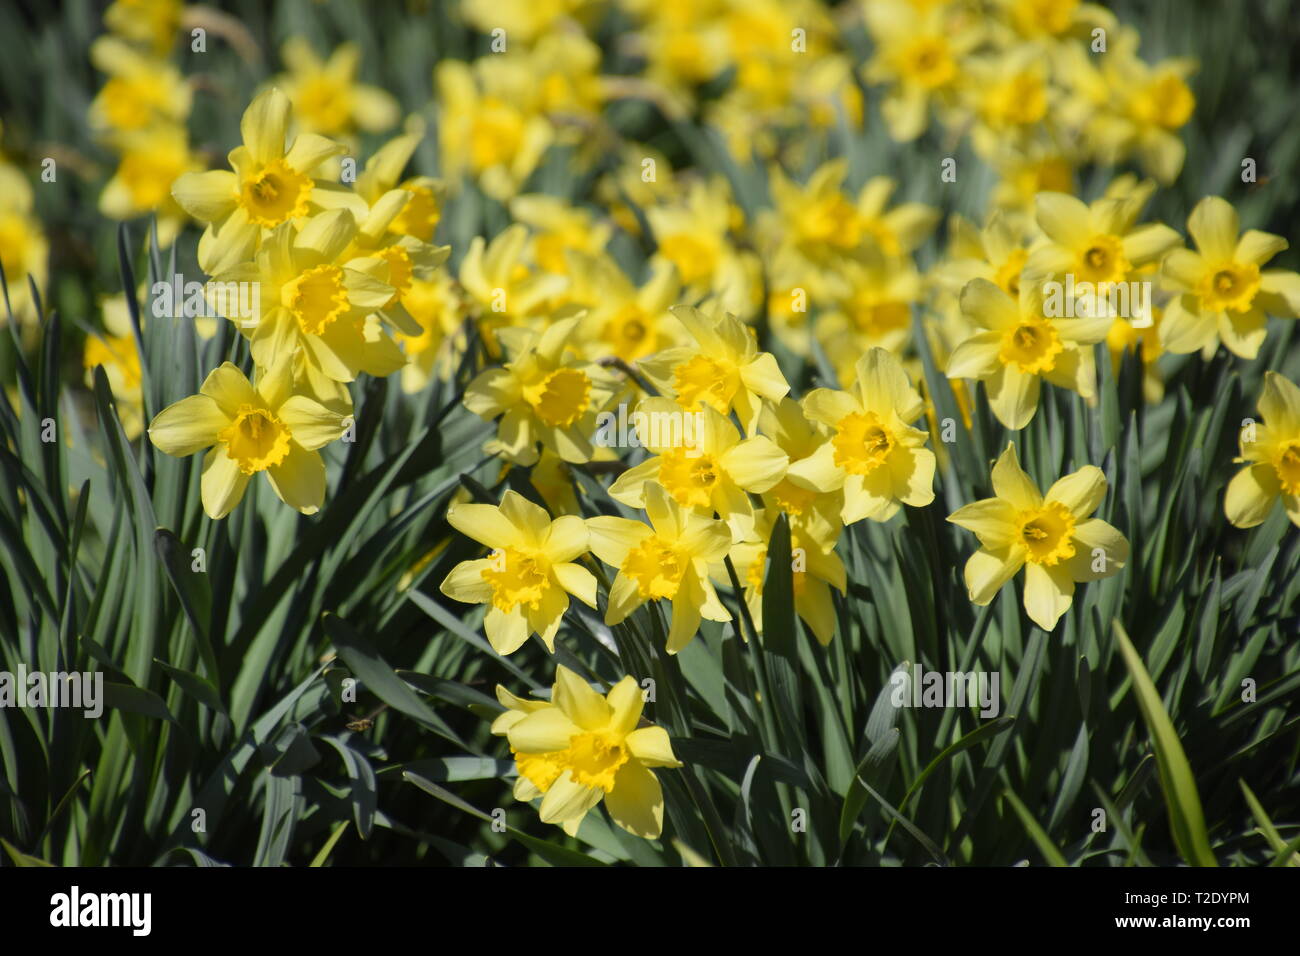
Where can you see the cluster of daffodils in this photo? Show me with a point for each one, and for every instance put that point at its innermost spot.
(331, 268)
(24, 251)
(140, 114)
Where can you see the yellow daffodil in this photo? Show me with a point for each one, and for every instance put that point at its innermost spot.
(542, 395)
(530, 574)
(667, 560)
(310, 300)
(140, 92)
(722, 368)
(919, 54)
(503, 286)
(422, 212)
(152, 160)
(559, 226)
(326, 96)
(1022, 345)
(270, 185)
(116, 353)
(813, 514)
(815, 571)
(247, 429)
(1051, 536)
(490, 124)
(150, 22)
(584, 747)
(700, 460)
(1220, 292)
(1099, 243)
(875, 455)
(622, 320)
(1271, 451)
(23, 249)
(693, 233)
(435, 304)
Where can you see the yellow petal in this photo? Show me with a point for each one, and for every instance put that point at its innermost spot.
(466, 583)
(188, 426)
(506, 630)
(885, 386)
(991, 519)
(206, 196)
(264, 125)
(977, 357)
(626, 701)
(756, 464)
(1012, 484)
(580, 703)
(1280, 403)
(567, 799)
(637, 801)
(1100, 551)
(610, 538)
(484, 523)
(299, 479)
(1258, 247)
(311, 423)
(1013, 396)
(223, 483)
(651, 746)
(1251, 494)
(1214, 225)
(1048, 594)
(578, 581)
(987, 571)
(1081, 492)
(545, 730)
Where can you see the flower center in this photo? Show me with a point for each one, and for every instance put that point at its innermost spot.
(275, 193)
(496, 135)
(877, 318)
(1287, 464)
(1048, 533)
(1103, 261)
(628, 333)
(541, 770)
(399, 271)
(1032, 346)
(706, 380)
(316, 298)
(690, 480)
(833, 221)
(694, 260)
(561, 397)
(1008, 275)
(1231, 286)
(325, 103)
(420, 216)
(926, 62)
(656, 567)
(594, 759)
(862, 443)
(791, 498)
(1165, 102)
(256, 439)
(516, 577)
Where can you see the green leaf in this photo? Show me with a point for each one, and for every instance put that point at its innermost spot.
(1186, 818)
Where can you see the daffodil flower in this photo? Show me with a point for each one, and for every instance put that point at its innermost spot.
(1271, 451)
(700, 460)
(1021, 346)
(722, 369)
(311, 299)
(815, 569)
(584, 747)
(667, 560)
(875, 455)
(269, 186)
(813, 513)
(1051, 536)
(326, 96)
(267, 428)
(530, 574)
(1221, 293)
(1099, 243)
(541, 395)
(420, 216)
